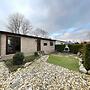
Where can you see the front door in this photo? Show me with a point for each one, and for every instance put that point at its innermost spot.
(38, 45)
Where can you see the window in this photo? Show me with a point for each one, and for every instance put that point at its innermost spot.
(12, 44)
(45, 44)
(51, 43)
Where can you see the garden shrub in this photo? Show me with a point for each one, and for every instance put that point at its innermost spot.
(59, 48)
(82, 51)
(87, 56)
(36, 54)
(18, 58)
(29, 58)
(11, 67)
(74, 48)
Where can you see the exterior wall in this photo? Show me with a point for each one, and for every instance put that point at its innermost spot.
(3, 48)
(47, 49)
(0, 45)
(28, 45)
(3, 44)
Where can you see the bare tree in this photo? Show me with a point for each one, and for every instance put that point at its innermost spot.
(40, 32)
(26, 27)
(17, 23)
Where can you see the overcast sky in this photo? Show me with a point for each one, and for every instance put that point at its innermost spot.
(63, 19)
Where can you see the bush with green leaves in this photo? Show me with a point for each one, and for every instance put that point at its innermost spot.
(59, 48)
(86, 56)
(29, 58)
(36, 54)
(74, 48)
(18, 58)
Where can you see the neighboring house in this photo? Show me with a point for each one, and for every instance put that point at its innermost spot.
(11, 43)
(58, 42)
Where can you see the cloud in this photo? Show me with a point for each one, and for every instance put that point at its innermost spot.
(67, 18)
(65, 14)
(80, 35)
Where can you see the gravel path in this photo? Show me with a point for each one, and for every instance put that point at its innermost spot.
(41, 75)
(4, 77)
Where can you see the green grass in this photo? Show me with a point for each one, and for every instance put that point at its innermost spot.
(65, 61)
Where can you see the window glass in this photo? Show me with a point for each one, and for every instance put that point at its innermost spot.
(51, 43)
(12, 44)
(45, 44)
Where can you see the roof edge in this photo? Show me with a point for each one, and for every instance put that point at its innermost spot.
(22, 35)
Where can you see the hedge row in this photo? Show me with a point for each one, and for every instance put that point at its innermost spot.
(74, 48)
(86, 56)
(59, 48)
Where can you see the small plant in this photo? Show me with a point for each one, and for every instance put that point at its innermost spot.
(36, 54)
(18, 58)
(18, 61)
(29, 58)
(86, 56)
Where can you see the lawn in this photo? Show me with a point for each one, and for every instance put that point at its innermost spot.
(66, 61)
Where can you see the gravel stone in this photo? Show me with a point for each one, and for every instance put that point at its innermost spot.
(41, 75)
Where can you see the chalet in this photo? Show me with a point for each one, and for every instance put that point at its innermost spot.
(11, 43)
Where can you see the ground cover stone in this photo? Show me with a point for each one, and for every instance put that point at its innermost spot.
(40, 75)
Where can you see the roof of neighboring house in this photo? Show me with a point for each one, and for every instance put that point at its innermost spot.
(10, 33)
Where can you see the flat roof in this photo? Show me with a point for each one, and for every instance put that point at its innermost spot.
(22, 35)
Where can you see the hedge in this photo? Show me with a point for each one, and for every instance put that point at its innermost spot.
(59, 48)
(86, 56)
(74, 48)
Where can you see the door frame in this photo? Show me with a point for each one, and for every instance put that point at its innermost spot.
(38, 44)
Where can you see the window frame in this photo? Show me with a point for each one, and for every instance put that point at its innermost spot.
(45, 44)
(51, 43)
(14, 45)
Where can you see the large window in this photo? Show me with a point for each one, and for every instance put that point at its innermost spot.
(12, 44)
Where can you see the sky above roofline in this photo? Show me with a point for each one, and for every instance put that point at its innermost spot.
(63, 19)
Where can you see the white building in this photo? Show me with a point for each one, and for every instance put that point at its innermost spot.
(11, 43)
